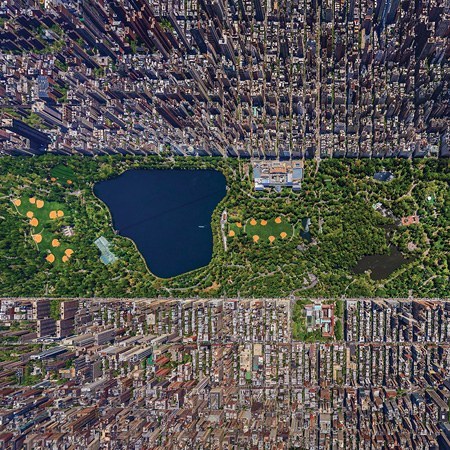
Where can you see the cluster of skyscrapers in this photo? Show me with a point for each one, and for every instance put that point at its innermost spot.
(249, 78)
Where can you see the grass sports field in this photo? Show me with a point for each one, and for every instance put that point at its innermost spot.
(263, 230)
(43, 218)
(62, 174)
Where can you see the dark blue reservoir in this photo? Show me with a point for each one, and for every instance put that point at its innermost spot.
(167, 213)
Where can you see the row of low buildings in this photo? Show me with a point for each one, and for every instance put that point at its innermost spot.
(242, 78)
(218, 374)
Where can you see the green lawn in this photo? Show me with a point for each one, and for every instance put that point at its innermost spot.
(271, 230)
(45, 220)
(63, 174)
(235, 229)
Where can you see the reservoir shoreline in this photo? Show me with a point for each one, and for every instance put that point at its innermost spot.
(167, 214)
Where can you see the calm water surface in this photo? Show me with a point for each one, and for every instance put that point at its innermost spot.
(381, 266)
(167, 213)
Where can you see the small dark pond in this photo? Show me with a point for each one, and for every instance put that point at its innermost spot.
(381, 266)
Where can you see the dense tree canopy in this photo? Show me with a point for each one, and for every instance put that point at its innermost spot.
(338, 199)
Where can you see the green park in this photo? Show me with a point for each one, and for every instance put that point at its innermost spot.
(267, 231)
(266, 252)
(63, 174)
(45, 220)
